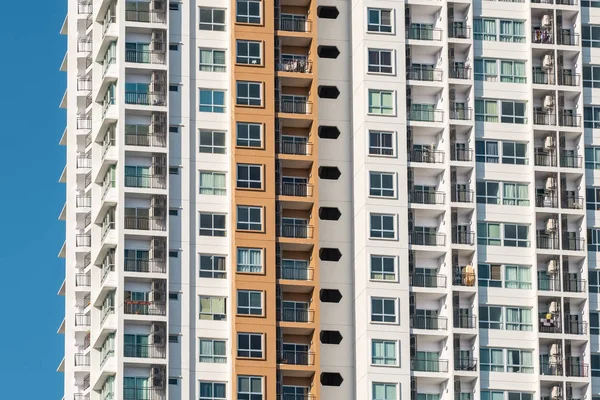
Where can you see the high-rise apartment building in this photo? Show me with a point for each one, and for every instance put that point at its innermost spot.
(324, 199)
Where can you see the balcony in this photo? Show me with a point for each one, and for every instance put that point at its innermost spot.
(83, 240)
(301, 315)
(133, 14)
(293, 25)
(296, 357)
(463, 278)
(547, 200)
(460, 195)
(83, 201)
(426, 365)
(542, 78)
(424, 74)
(145, 56)
(571, 161)
(84, 123)
(426, 197)
(424, 280)
(295, 273)
(465, 322)
(575, 368)
(543, 118)
(294, 189)
(567, 39)
(573, 243)
(551, 368)
(548, 326)
(296, 231)
(423, 33)
(461, 154)
(574, 286)
(145, 98)
(145, 181)
(83, 162)
(426, 239)
(139, 307)
(457, 30)
(425, 155)
(83, 280)
(572, 202)
(82, 320)
(465, 364)
(146, 140)
(84, 7)
(145, 223)
(463, 237)
(82, 360)
(424, 115)
(461, 114)
(428, 322)
(155, 266)
(144, 351)
(296, 397)
(294, 148)
(547, 242)
(144, 393)
(459, 72)
(568, 79)
(542, 36)
(575, 327)
(543, 158)
(568, 119)
(293, 106)
(295, 66)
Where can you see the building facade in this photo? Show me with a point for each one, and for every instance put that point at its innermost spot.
(320, 199)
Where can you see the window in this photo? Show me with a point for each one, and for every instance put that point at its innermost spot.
(592, 199)
(381, 61)
(249, 176)
(381, 143)
(512, 71)
(212, 224)
(383, 310)
(249, 218)
(486, 151)
(514, 153)
(174, 6)
(488, 234)
(250, 345)
(512, 31)
(383, 352)
(590, 35)
(173, 254)
(517, 277)
(501, 395)
(249, 93)
(594, 322)
(212, 19)
(174, 170)
(249, 260)
(212, 100)
(382, 226)
(173, 212)
(592, 157)
(519, 361)
(490, 317)
(379, 20)
(594, 281)
(212, 60)
(173, 47)
(486, 70)
(212, 391)
(381, 184)
(385, 391)
(213, 308)
(173, 88)
(212, 266)
(249, 302)
(248, 52)
(213, 351)
(484, 29)
(486, 110)
(248, 11)
(173, 381)
(249, 388)
(249, 134)
(383, 268)
(515, 194)
(212, 142)
(173, 338)
(593, 239)
(173, 296)
(595, 360)
(490, 275)
(488, 192)
(591, 117)
(491, 360)
(513, 112)
(173, 129)
(381, 102)
(516, 235)
(591, 76)
(213, 183)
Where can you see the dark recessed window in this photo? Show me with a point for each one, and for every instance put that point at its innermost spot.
(328, 132)
(331, 379)
(173, 129)
(327, 12)
(331, 337)
(173, 47)
(173, 212)
(328, 92)
(173, 88)
(330, 295)
(329, 213)
(173, 296)
(174, 6)
(173, 254)
(332, 173)
(175, 338)
(174, 170)
(173, 381)
(329, 254)
(328, 52)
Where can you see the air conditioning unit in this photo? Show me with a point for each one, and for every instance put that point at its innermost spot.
(553, 309)
(554, 351)
(551, 225)
(556, 392)
(552, 267)
(546, 20)
(548, 101)
(549, 142)
(550, 183)
(547, 61)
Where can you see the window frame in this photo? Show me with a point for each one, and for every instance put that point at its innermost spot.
(222, 358)
(212, 107)
(248, 58)
(393, 275)
(212, 67)
(381, 27)
(248, 225)
(249, 310)
(212, 22)
(385, 387)
(213, 316)
(382, 191)
(250, 349)
(244, 179)
(248, 18)
(379, 149)
(248, 141)
(489, 240)
(250, 250)
(380, 68)
(213, 384)
(383, 231)
(385, 358)
(213, 272)
(248, 101)
(250, 395)
(214, 190)
(212, 228)
(381, 110)
(383, 315)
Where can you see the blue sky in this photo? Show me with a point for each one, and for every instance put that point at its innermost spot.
(31, 198)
